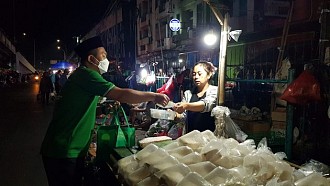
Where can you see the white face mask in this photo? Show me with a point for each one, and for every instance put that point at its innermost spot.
(103, 65)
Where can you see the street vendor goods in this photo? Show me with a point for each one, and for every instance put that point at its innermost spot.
(162, 114)
(170, 104)
(146, 141)
(200, 158)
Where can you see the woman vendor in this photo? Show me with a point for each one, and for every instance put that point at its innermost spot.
(197, 103)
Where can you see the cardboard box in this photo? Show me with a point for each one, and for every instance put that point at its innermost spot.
(279, 115)
(258, 127)
(279, 125)
(279, 129)
(253, 126)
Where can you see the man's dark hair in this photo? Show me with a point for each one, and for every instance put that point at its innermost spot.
(83, 58)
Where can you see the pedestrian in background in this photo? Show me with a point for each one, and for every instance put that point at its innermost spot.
(57, 81)
(64, 77)
(52, 77)
(45, 88)
(68, 137)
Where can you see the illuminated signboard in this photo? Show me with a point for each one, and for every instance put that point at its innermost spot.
(175, 25)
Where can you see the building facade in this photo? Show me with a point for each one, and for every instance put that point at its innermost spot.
(259, 21)
(7, 51)
(156, 42)
(117, 31)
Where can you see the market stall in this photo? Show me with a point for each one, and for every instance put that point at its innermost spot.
(199, 158)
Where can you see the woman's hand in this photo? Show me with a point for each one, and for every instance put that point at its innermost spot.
(180, 107)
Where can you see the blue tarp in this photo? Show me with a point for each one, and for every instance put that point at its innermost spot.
(61, 65)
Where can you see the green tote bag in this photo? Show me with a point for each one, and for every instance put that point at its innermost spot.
(114, 135)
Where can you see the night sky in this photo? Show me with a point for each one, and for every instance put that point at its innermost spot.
(45, 21)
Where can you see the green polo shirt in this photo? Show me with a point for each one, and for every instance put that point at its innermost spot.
(69, 132)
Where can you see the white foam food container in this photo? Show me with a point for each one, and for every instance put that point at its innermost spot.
(162, 114)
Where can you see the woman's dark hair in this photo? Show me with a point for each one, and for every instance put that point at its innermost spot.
(208, 67)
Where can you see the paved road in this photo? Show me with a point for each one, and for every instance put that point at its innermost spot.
(23, 123)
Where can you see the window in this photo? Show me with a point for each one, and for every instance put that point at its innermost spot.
(143, 10)
(243, 8)
(162, 5)
(178, 16)
(150, 6)
(200, 14)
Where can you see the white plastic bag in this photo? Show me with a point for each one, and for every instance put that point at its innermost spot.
(233, 130)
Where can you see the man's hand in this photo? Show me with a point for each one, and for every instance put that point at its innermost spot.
(161, 99)
(180, 107)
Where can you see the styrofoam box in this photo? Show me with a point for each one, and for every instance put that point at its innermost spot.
(162, 114)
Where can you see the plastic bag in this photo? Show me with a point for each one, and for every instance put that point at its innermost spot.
(175, 131)
(151, 78)
(314, 166)
(159, 128)
(302, 90)
(168, 88)
(233, 130)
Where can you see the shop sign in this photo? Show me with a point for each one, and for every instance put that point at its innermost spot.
(175, 25)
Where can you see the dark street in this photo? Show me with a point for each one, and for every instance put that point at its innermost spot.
(23, 124)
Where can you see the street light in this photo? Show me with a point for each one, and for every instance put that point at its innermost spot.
(60, 43)
(34, 50)
(210, 39)
(64, 54)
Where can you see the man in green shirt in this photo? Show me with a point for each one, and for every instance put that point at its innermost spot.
(68, 136)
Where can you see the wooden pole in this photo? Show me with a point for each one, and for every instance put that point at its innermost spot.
(222, 61)
(216, 12)
(222, 53)
(284, 37)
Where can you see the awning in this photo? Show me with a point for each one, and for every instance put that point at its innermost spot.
(62, 65)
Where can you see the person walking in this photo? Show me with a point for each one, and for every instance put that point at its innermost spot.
(68, 137)
(45, 88)
(57, 81)
(64, 77)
